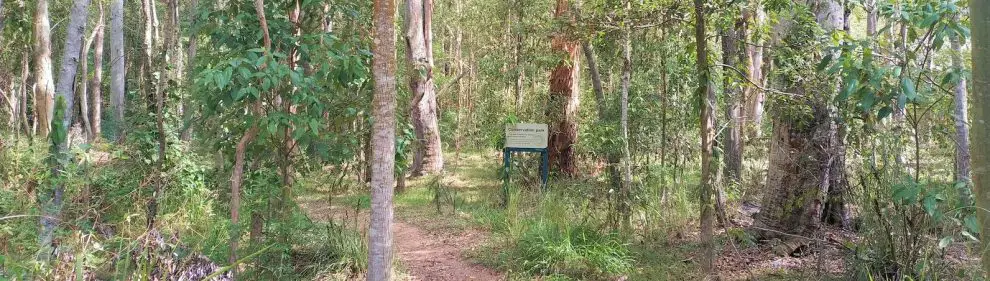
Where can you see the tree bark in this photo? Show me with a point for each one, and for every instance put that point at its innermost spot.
(96, 103)
(706, 95)
(564, 97)
(614, 175)
(419, 43)
(383, 142)
(980, 137)
(118, 77)
(191, 49)
(45, 92)
(732, 54)
(960, 116)
(517, 52)
(237, 174)
(625, 193)
(755, 97)
(84, 84)
(806, 155)
(60, 146)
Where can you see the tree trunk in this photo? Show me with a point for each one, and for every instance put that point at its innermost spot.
(960, 116)
(615, 177)
(565, 97)
(706, 95)
(84, 84)
(383, 142)
(96, 103)
(517, 52)
(419, 43)
(45, 92)
(23, 108)
(732, 55)
(980, 137)
(60, 146)
(754, 96)
(187, 130)
(118, 76)
(625, 193)
(237, 174)
(806, 155)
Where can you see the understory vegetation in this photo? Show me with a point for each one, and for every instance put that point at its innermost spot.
(368, 139)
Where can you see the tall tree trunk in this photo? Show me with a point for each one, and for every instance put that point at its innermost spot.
(191, 49)
(517, 51)
(71, 56)
(732, 55)
(980, 18)
(383, 142)
(755, 97)
(419, 43)
(706, 96)
(806, 155)
(84, 84)
(237, 174)
(96, 103)
(45, 92)
(960, 116)
(23, 108)
(625, 204)
(60, 147)
(565, 97)
(118, 77)
(615, 177)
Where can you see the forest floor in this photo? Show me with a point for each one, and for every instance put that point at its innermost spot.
(453, 238)
(426, 248)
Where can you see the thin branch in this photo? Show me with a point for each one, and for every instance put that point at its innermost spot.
(758, 86)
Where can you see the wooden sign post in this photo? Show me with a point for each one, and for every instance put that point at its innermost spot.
(525, 138)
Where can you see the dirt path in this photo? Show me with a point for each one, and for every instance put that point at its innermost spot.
(438, 257)
(424, 255)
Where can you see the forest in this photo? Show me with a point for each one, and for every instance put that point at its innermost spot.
(495, 140)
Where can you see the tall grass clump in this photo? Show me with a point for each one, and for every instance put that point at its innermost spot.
(549, 241)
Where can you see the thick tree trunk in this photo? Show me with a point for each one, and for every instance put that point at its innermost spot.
(732, 54)
(45, 91)
(706, 95)
(806, 155)
(60, 146)
(118, 76)
(419, 43)
(96, 103)
(383, 142)
(565, 97)
(980, 137)
(71, 57)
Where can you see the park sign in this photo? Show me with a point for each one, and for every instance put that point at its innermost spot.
(526, 135)
(524, 138)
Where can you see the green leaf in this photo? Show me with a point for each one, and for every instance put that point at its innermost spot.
(866, 103)
(929, 204)
(825, 62)
(884, 112)
(971, 223)
(908, 87)
(945, 242)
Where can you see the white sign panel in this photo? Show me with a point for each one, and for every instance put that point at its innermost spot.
(526, 135)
